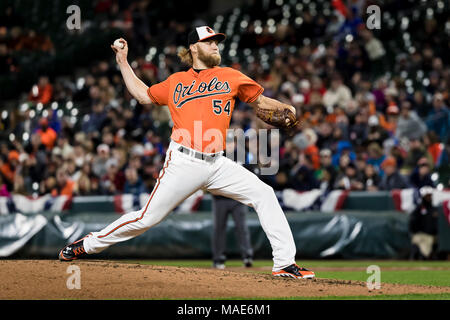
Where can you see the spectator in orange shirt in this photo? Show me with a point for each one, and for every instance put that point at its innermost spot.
(64, 185)
(390, 122)
(311, 150)
(47, 134)
(42, 91)
(433, 145)
(316, 115)
(306, 142)
(8, 169)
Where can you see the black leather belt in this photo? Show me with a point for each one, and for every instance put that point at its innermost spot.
(199, 155)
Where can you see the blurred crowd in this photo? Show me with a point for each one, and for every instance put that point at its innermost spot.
(16, 38)
(364, 125)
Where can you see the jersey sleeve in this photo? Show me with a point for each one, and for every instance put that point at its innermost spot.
(248, 89)
(159, 93)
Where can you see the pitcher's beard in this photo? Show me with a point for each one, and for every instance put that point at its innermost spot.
(211, 60)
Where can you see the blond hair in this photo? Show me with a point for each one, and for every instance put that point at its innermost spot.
(185, 56)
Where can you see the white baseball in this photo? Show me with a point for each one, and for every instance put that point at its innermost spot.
(118, 44)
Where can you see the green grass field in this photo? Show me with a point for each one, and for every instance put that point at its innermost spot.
(427, 273)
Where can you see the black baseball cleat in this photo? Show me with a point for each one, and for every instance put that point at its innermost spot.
(294, 271)
(219, 265)
(73, 251)
(248, 262)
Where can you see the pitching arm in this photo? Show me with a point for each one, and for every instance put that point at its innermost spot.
(135, 86)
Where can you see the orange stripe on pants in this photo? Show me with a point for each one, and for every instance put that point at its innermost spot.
(148, 202)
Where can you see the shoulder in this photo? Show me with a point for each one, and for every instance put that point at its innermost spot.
(177, 75)
(236, 76)
(229, 71)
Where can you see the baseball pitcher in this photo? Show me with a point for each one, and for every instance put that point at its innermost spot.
(201, 102)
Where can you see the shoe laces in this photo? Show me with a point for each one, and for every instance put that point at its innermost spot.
(79, 250)
(297, 269)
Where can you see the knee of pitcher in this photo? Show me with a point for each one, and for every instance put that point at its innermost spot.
(268, 190)
(266, 193)
(152, 218)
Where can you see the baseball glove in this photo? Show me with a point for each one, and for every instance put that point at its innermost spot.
(280, 118)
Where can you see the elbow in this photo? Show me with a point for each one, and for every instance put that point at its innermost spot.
(143, 98)
(144, 101)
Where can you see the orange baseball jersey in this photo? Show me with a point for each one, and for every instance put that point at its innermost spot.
(201, 104)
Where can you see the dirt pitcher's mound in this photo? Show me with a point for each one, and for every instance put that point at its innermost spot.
(48, 279)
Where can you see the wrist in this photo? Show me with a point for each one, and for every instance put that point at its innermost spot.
(123, 63)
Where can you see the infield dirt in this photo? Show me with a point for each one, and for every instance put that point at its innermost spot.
(47, 279)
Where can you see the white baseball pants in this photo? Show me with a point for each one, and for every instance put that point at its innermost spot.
(181, 176)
